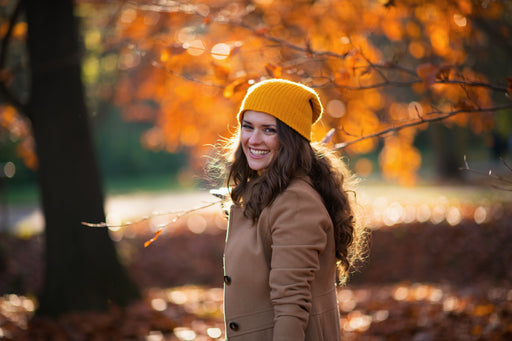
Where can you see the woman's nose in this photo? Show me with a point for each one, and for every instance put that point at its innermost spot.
(255, 137)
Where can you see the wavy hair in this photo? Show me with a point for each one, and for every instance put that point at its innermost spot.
(298, 157)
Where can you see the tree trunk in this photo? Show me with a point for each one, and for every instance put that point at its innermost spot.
(448, 157)
(82, 269)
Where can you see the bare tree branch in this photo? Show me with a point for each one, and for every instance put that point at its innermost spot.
(162, 227)
(420, 121)
(502, 181)
(380, 68)
(177, 214)
(177, 6)
(506, 164)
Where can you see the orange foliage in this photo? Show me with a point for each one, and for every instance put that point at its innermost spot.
(400, 160)
(18, 129)
(186, 66)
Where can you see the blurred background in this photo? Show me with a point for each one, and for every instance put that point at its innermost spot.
(417, 95)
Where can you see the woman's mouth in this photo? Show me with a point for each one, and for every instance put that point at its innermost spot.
(258, 152)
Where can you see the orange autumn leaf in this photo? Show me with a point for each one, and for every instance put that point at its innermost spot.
(235, 49)
(221, 71)
(274, 71)
(465, 104)
(234, 87)
(157, 234)
(261, 31)
(428, 73)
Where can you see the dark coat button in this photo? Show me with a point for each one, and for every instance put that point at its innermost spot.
(227, 280)
(233, 326)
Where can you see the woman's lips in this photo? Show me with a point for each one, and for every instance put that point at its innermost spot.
(258, 153)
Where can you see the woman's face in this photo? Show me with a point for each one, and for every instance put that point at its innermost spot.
(259, 139)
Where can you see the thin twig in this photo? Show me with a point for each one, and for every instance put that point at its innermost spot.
(502, 180)
(506, 164)
(420, 121)
(178, 214)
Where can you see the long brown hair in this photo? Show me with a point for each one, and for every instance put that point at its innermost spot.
(298, 157)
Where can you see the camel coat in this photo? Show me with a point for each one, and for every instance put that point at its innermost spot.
(280, 272)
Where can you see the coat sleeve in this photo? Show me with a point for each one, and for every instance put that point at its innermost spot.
(298, 231)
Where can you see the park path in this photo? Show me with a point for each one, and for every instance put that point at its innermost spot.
(27, 219)
(376, 198)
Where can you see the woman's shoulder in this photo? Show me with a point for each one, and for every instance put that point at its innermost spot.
(298, 203)
(300, 189)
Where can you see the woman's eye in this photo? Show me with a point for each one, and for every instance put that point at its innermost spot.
(270, 130)
(246, 126)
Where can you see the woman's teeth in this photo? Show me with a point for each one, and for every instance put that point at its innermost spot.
(259, 152)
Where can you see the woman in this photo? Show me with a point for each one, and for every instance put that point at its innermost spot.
(291, 226)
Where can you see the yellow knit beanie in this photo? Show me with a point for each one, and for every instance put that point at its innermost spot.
(293, 103)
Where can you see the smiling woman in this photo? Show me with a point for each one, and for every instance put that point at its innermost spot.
(291, 233)
(259, 139)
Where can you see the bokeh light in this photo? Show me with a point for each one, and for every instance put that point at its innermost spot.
(195, 47)
(336, 108)
(221, 51)
(196, 223)
(480, 215)
(214, 333)
(460, 20)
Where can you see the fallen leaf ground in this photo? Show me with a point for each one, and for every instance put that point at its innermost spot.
(425, 279)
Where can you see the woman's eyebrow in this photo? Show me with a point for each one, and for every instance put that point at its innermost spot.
(270, 125)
